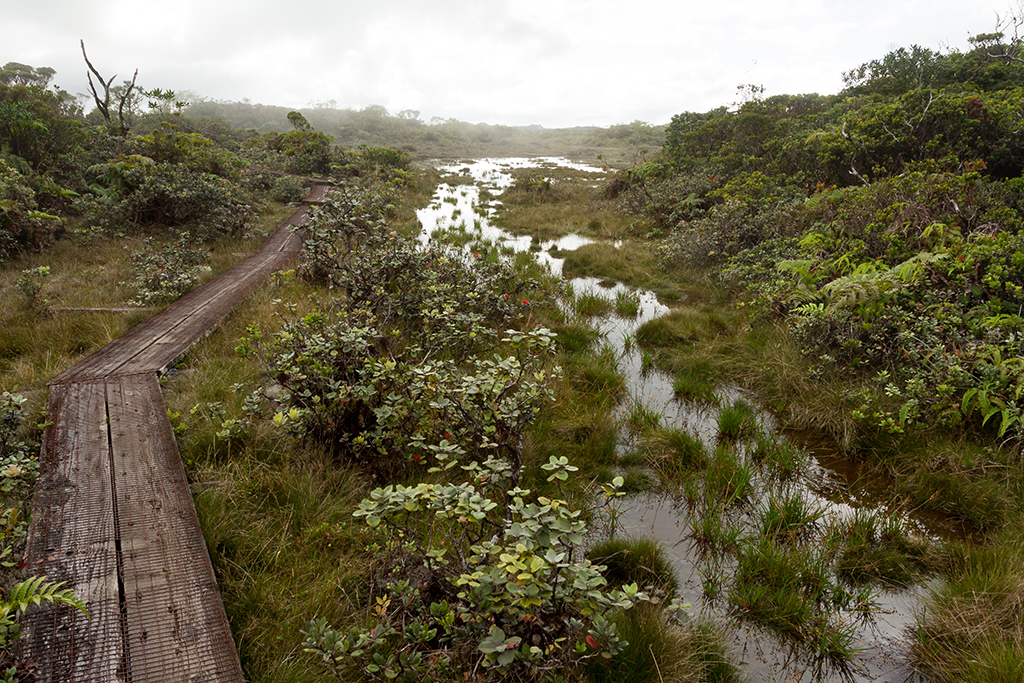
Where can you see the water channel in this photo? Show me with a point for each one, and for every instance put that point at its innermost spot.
(827, 481)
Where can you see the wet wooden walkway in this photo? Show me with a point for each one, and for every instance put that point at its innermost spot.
(113, 516)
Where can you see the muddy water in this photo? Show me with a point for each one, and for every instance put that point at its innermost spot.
(828, 481)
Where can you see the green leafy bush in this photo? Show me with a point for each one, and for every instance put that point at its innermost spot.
(288, 189)
(168, 145)
(476, 587)
(915, 279)
(22, 226)
(137, 191)
(415, 361)
(305, 152)
(165, 275)
(176, 196)
(30, 284)
(18, 462)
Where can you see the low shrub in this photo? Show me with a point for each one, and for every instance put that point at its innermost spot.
(472, 586)
(22, 226)
(165, 275)
(287, 189)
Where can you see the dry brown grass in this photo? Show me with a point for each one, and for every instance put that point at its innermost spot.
(972, 627)
(564, 210)
(37, 344)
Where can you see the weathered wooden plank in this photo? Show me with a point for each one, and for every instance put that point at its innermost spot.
(113, 513)
(316, 194)
(180, 324)
(176, 626)
(164, 350)
(73, 539)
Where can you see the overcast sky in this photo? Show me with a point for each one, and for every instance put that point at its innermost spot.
(554, 62)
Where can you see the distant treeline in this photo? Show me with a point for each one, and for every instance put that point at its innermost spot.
(375, 126)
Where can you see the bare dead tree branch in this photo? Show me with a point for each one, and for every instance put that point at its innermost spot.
(104, 104)
(1014, 20)
(124, 98)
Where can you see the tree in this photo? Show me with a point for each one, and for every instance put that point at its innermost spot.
(298, 121)
(900, 71)
(164, 102)
(104, 104)
(38, 125)
(14, 73)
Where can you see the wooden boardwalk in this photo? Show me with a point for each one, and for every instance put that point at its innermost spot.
(113, 516)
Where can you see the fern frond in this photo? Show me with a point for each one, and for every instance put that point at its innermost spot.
(856, 289)
(910, 270)
(36, 590)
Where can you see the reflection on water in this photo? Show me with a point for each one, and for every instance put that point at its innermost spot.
(457, 207)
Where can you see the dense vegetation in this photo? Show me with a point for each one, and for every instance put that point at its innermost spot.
(881, 230)
(402, 359)
(883, 223)
(446, 414)
(375, 126)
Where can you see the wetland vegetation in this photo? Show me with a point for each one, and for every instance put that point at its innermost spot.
(746, 408)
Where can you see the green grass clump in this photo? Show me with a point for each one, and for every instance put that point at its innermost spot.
(714, 531)
(580, 424)
(595, 378)
(878, 547)
(642, 420)
(983, 502)
(694, 387)
(788, 518)
(681, 326)
(627, 304)
(574, 337)
(782, 459)
(675, 453)
(728, 478)
(787, 589)
(591, 304)
(737, 419)
(662, 650)
(971, 628)
(639, 560)
(269, 528)
(567, 208)
(632, 263)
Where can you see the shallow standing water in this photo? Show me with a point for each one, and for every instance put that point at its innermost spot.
(835, 488)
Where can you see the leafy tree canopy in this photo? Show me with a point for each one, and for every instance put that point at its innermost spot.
(14, 73)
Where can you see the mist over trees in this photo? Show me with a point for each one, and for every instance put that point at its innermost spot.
(375, 126)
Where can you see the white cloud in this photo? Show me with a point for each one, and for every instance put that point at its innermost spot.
(555, 62)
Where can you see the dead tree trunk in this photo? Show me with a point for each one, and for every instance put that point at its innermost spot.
(104, 104)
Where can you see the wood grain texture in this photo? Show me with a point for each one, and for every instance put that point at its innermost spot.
(113, 516)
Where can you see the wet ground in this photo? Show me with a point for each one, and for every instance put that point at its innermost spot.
(828, 481)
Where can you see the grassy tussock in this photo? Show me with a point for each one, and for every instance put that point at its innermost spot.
(564, 209)
(661, 650)
(636, 560)
(972, 627)
(634, 263)
(285, 548)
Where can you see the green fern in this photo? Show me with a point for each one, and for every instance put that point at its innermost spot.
(857, 288)
(871, 282)
(33, 591)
